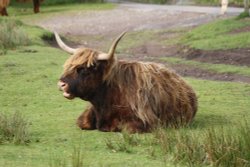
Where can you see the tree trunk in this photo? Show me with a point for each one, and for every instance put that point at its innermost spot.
(246, 6)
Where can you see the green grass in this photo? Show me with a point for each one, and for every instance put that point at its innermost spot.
(28, 85)
(29, 75)
(217, 3)
(216, 35)
(218, 68)
(25, 12)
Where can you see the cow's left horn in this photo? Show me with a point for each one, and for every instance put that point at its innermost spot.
(63, 45)
(111, 52)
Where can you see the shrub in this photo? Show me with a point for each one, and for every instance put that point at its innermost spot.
(221, 147)
(243, 15)
(14, 128)
(12, 35)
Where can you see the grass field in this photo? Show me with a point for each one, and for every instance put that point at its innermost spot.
(219, 35)
(219, 135)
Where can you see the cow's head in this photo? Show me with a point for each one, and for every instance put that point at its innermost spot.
(85, 70)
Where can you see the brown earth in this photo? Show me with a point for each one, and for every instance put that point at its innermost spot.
(239, 57)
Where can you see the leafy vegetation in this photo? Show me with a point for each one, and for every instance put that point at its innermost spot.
(215, 147)
(214, 2)
(14, 128)
(12, 35)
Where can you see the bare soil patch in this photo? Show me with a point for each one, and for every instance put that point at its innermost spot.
(239, 57)
(185, 70)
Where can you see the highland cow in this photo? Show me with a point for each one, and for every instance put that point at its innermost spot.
(4, 4)
(130, 95)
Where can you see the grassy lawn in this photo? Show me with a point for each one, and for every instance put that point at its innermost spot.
(28, 78)
(28, 85)
(217, 35)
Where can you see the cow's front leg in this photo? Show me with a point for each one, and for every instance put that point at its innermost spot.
(87, 120)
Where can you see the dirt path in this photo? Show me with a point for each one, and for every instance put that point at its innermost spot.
(95, 28)
(132, 17)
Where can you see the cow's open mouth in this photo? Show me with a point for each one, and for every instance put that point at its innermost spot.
(68, 95)
(64, 87)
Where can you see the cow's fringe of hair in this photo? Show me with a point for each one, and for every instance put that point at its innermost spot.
(83, 56)
(152, 90)
(4, 3)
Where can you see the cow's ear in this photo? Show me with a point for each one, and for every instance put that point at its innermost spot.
(111, 54)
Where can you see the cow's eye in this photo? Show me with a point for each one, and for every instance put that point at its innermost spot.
(82, 70)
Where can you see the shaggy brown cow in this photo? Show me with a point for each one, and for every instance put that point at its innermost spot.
(135, 96)
(4, 4)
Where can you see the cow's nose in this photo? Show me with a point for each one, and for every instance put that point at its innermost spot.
(61, 85)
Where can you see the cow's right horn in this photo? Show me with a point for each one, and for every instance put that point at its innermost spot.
(111, 52)
(63, 45)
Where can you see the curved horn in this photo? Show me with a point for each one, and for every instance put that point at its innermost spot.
(111, 52)
(63, 45)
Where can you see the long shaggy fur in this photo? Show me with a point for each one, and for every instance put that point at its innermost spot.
(137, 95)
(154, 93)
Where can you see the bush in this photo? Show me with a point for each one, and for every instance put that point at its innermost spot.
(12, 35)
(14, 128)
(223, 147)
(243, 15)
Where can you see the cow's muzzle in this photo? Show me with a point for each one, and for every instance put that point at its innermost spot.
(65, 88)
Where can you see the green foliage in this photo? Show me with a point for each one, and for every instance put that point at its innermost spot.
(14, 128)
(243, 15)
(217, 3)
(214, 147)
(12, 35)
(217, 35)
